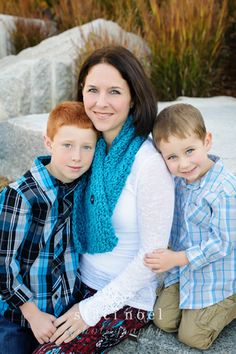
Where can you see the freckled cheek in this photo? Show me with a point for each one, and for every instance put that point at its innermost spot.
(65, 156)
(88, 159)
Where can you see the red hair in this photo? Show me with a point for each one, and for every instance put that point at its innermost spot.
(68, 113)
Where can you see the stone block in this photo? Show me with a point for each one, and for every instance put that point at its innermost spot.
(21, 142)
(36, 79)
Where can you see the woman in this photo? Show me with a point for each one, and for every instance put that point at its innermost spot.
(126, 212)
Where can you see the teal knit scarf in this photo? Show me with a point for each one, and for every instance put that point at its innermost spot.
(91, 223)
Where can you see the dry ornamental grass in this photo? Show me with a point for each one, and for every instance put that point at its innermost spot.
(192, 42)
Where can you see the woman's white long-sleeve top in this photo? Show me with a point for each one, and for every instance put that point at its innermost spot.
(142, 221)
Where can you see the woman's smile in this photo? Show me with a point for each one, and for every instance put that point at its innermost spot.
(107, 99)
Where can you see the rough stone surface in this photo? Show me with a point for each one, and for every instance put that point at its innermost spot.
(21, 141)
(36, 79)
(6, 25)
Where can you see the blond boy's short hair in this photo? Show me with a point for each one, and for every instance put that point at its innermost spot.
(68, 113)
(180, 120)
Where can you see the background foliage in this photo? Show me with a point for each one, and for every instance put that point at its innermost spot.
(192, 42)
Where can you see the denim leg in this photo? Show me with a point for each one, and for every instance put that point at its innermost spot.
(15, 339)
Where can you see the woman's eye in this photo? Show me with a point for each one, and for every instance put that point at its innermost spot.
(93, 90)
(115, 92)
(88, 147)
(67, 146)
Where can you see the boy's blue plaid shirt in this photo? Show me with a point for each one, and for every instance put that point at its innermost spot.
(38, 261)
(205, 226)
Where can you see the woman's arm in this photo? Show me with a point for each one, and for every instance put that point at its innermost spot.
(155, 202)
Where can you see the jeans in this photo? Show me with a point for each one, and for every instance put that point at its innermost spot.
(15, 339)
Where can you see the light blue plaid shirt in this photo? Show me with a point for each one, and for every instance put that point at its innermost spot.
(205, 227)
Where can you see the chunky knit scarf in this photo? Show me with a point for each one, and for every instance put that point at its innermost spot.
(92, 225)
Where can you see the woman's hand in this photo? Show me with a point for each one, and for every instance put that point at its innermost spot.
(69, 326)
(163, 260)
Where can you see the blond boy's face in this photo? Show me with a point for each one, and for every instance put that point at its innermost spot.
(187, 158)
(72, 151)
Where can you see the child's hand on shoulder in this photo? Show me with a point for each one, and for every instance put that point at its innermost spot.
(162, 260)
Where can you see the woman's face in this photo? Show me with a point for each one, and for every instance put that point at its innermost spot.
(107, 99)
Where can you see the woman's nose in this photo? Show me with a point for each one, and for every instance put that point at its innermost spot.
(101, 100)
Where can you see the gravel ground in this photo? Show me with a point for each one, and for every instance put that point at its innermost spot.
(154, 341)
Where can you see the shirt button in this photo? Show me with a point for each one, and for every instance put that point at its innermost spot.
(92, 199)
(55, 296)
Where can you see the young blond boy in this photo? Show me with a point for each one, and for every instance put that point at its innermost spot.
(39, 279)
(199, 295)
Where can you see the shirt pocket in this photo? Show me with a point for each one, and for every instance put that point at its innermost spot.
(199, 215)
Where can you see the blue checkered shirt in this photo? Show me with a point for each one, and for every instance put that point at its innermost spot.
(38, 261)
(205, 227)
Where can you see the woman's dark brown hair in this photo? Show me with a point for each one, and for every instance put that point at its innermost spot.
(144, 108)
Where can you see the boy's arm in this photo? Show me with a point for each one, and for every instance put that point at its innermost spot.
(15, 220)
(220, 243)
(162, 260)
(222, 234)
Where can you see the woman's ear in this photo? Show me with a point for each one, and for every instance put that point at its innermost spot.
(208, 141)
(48, 143)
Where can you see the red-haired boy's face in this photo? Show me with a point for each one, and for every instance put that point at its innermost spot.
(72, 151)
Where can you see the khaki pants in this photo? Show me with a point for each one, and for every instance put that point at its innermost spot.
(196, 328)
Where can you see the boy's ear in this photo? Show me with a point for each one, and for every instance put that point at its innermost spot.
(208, 141)
(48, 143)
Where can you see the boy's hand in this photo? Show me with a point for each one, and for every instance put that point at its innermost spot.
(42, 324)
(162, 260)
(70, 325)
